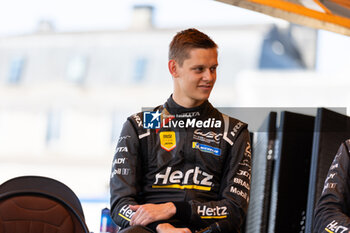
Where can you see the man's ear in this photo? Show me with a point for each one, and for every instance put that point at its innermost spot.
(172, 65)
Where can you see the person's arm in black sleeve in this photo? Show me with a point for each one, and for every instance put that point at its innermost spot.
(124, 180)
(332, 211)
(232, 203)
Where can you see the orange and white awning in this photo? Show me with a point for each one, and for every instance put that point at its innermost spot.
(332, 15)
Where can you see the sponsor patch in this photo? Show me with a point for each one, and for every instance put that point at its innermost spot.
(244, 173)
(247, 151)
(118, 161)
(188, 115)
(121, 149)
(178, 186)
(206, 148)
(239, 193)
(236, 128)
(246, 163)
(190, 179)
(121, 138)
(167, 140)
(212, 212)
(241, 183)
(126, 213)
(335, 227)
(330, 186)
(207, 137)
(137, 119)
(120, 171)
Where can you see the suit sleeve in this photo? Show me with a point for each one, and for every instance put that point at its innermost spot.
(232, 204)
(125, 175)
(332, 211)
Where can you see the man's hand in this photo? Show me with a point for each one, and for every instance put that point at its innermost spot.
(148, 213)
(166, 227)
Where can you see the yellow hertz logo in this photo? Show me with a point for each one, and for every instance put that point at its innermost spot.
(177, 186)
(124, 217)
(126, 213)
(179, 180)
(334, 227)
(213, 217)
(218, 212)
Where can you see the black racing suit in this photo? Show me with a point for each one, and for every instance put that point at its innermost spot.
(200, 159)
(333, 208)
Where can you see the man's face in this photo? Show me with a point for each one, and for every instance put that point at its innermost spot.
(195, 79)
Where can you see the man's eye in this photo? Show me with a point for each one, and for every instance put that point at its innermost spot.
(199, 69)
(212, 69)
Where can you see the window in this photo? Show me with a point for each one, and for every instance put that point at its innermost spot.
(53, 126)
(140, 68)
(15, 69)
(76, 69)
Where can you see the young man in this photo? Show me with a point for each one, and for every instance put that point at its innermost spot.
(192, 170)
(333, 207)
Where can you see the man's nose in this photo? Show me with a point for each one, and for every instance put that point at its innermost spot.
(209, 75)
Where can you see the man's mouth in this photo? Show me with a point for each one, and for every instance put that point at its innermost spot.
(205, 86)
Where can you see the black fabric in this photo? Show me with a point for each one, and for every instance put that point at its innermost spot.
(331, 129)
(209, 168)
(137, 229)
(183, 211)
(333, 208)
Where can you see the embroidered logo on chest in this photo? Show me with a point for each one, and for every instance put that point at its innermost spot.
(206, 148)
(167, 140)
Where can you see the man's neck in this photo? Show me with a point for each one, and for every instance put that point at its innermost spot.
(187, 103)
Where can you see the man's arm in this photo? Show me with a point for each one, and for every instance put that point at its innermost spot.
(332, 209)
(125, 176)
(148, 213)
(125, 181)
(168, 228)
(151, 215)
(231, 205)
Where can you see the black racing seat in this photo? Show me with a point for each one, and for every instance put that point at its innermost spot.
(34, 204)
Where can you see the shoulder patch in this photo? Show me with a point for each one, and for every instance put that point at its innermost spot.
(232, 128)
(137, 120)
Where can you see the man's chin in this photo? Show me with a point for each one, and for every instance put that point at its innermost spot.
(202, 98)
(205, 96)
